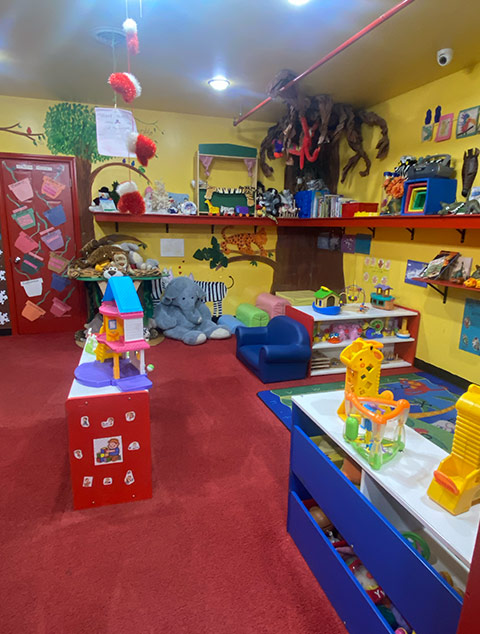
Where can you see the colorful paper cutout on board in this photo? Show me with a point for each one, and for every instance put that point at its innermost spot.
(25, 243)
(347, 244)
(22, 189)
(52, 238)
(33, 287)
(31, 263)
(59, 283)
(59, 308)
(51, 188)
(438, 114)
(428, 117)
(32, 311)
(427, 132)
(56, 215)
(445, 126)
(467, 122)
(25, 218)
(414, 268)
(107, 450)
(363, 243)
(470, 334)
(57, 263)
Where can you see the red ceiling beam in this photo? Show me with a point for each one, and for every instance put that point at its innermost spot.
(326, 58)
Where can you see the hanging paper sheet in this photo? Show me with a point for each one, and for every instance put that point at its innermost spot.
(113, 127)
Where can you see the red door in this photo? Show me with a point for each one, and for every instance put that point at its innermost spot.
(40, 232)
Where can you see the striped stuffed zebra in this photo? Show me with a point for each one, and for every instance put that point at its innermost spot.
(215, 292)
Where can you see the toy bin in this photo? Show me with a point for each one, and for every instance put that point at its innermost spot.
(350, 209)
(250, 315)
(25, 218)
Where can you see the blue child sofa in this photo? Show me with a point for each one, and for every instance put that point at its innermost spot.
(279, 351)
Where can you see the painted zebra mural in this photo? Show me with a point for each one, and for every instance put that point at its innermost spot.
(215, 292)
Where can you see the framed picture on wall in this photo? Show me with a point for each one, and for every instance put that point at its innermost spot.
(467, 122)
(445, 125)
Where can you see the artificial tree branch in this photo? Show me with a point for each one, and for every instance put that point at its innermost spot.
(249, 258)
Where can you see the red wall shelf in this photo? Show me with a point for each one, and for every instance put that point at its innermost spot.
(421, 222)
(446, 285)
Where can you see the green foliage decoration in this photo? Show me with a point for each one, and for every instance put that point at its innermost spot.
(70, 129)
(213, 253)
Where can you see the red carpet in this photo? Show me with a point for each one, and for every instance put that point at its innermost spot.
(208, 554)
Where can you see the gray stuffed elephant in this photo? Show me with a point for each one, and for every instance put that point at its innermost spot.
(182, 314)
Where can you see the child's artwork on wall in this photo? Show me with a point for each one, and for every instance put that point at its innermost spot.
(107, 450)
(467, 122)
(445, 125)
(375, 270)
(470, 335)
(414, 268)
(113, 127)
(427, 132)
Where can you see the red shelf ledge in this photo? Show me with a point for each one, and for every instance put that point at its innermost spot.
(446, 285)
(460, 222)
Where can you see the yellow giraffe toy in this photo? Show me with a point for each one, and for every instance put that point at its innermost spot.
(363, 361)
(456, 482)
(212, 211)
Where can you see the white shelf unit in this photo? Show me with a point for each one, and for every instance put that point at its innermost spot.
(405, 479)
(402, 348)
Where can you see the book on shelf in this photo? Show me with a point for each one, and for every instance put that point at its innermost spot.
(438, 267)
(459, 270)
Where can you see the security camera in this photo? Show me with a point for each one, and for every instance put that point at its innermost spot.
(444, 56)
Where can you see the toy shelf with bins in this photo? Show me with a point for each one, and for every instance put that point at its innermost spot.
(404, 349)
(390, 501)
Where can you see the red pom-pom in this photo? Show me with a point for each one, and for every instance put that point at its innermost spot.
(142, 146)
(132, 203)
(126, 85)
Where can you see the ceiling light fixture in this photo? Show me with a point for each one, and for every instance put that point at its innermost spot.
(219, 83)
(298, 3)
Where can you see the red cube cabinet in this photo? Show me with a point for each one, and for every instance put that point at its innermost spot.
(109, 445)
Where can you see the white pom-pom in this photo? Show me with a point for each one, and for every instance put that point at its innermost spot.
(126, 188)
(130, 26)
(132, 142)
(136, 84)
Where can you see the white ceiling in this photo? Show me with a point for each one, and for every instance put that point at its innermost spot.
(47, 49)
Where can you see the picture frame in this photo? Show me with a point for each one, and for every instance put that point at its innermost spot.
(467, 122)
(445, 125)
(427, 132)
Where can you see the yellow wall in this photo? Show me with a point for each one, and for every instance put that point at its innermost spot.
(440, 323)
(177, 137)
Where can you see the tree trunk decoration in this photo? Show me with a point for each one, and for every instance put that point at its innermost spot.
(70, 129)
(310, 132)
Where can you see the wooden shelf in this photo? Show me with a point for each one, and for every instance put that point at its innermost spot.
(460, 223)
(445, 284)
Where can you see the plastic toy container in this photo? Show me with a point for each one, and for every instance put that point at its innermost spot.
(350, 209)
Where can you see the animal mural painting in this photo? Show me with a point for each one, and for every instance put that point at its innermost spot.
(243, 242)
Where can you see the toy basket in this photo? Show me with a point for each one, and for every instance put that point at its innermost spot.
(52, 238)
(25, 218)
